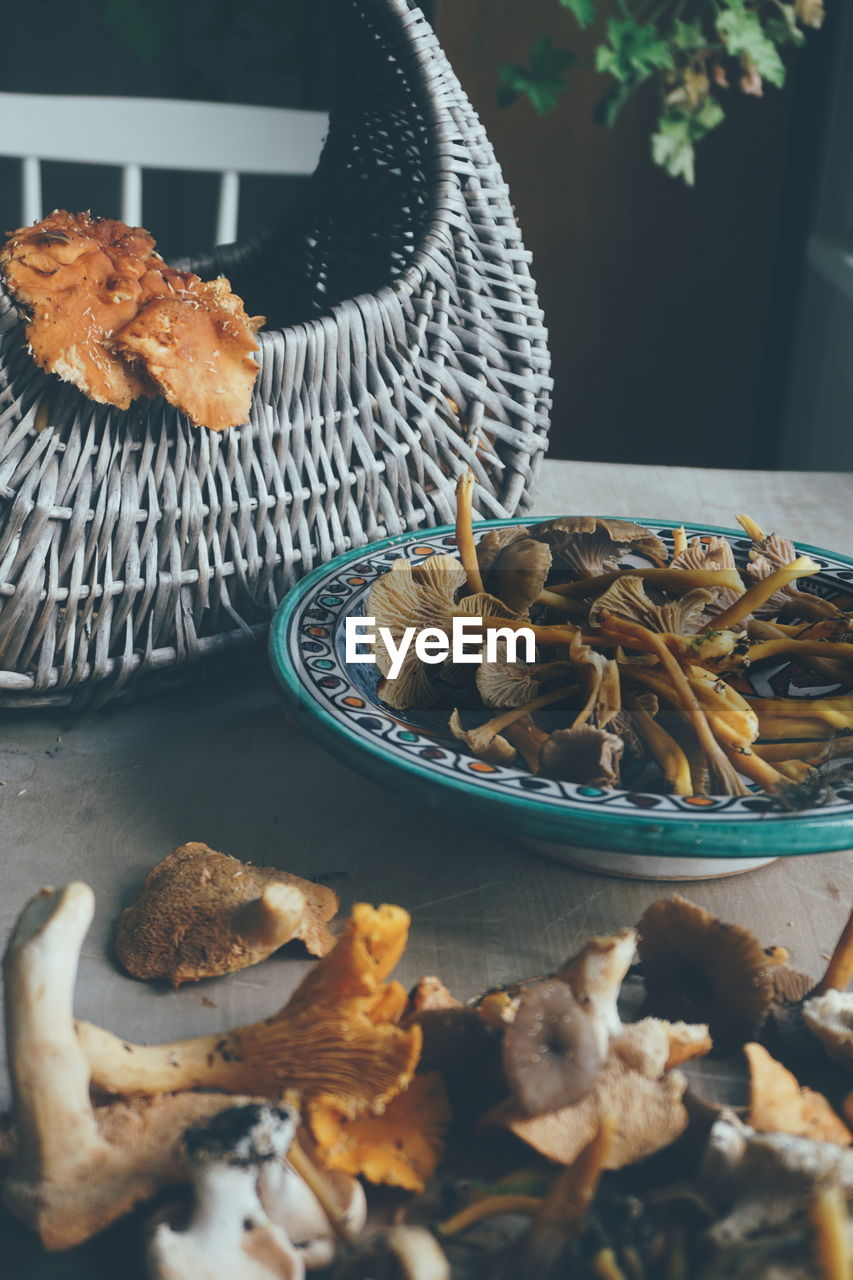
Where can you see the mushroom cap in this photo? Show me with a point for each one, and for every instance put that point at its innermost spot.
(192, 918)
(647, 1108)
(830, 1018)
(698, 969)
(587, 545)
(765, 557)
(511, 684)
(582, 755)
(400, 1146)
(595, 976)
(711, 552)
(778, 1104)
(550, 1052)
(627, 598)
(517, 573)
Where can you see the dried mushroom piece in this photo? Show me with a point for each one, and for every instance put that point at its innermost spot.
(633, 1086)
(551, 1054)
(512, 684)
(714, 553)
(830, 1019)
(763, 1187)
(196, 349)
(778, 1104)
(201, 914)
(582, 755)
(698, 969)
(586, 545)
(336, 1036)
(106, 313)
(73, 1169)
(400, 1146)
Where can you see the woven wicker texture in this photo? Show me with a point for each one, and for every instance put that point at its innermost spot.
(405, 342)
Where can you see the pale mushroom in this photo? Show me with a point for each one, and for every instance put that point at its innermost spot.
(710, 552)
(595, 976)
(402, 1252)
(228, 1234)
(551, 1053)
(769, 554)
(511, 684)
(75, 1169)
(202, 913)
(583, 755)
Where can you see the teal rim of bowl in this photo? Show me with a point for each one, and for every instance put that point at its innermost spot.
(522, 816)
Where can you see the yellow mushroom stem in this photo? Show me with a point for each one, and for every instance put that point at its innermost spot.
(671, 579)
(804, 649)
(316, 1181)
(664, 748)
(839, 971)
(834, 712)
(632, 636)
(679, 541)
(760, 592)
(828, 1214)
(803, 604)
(752, 766)
(606, 1267)
(489, 1207)
(561, 604)
(811, 752)
(750, 528)
(571, 1194)
(465, 531)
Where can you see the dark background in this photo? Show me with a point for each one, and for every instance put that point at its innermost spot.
(677, 316)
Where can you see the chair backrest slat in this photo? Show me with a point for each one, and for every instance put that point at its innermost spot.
(30, 189)
(131, 195)
(229, 199)
(157, 133)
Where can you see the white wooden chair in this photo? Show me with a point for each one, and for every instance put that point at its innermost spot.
(157, 133)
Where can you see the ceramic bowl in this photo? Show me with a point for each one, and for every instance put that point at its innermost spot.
(620, 832)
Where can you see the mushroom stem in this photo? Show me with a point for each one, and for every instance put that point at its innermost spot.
(573, 1191)
(811, 752)
(801, 649)
(272, 919)
(506, 718)
(465, 531)
(528, 739)
(316, 1182)
(664, 748)
(57, 1131)
(633, 636)
(804, 604)
(755, 767)
(679, 541)
(760, 592)
(674, 579)
(839, 971)
(835, 712)
(553, 600)
(828, 1214)
(544, 635)
(750, 528)
(489, 1207)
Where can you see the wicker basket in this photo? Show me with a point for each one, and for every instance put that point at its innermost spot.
(404, 343)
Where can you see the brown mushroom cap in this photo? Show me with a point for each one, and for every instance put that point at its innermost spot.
(587, 545)
(201, 913)
(627, 598)
(582, 755)
(517, 571)
(550, 1051)
(698, 969)
(485, 745)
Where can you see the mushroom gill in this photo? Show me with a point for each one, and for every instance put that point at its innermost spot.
(586, 546)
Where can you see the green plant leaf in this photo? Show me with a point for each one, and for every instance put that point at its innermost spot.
(678, 132)
(743, 35)
(607, 111)
(688, 36)
(542, 82)
(583, 11)
(783, 30)
(633, 51)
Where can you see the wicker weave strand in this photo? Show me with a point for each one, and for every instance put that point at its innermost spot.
(405, 343)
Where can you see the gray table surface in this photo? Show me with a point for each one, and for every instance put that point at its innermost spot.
(104, 796)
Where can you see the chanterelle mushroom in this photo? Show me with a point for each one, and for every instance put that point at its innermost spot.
(201, 914)
(333, 1037)
(75, 1169)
